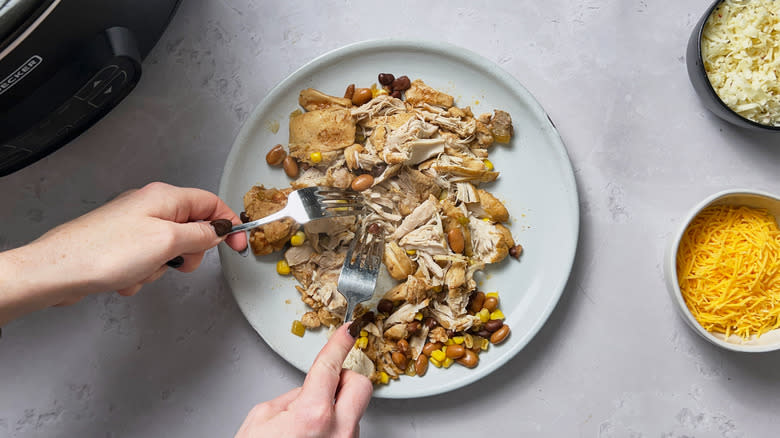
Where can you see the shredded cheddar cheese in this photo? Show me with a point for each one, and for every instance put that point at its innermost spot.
(740, 47)
(728, 268)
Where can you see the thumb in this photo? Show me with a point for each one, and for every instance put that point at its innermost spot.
(195, 237)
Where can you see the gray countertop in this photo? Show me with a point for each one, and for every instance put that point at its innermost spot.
(613, 360)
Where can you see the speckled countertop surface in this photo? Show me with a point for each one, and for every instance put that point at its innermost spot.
(614, 359)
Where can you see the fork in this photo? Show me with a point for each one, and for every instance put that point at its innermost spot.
(311, 203)
(359, 273)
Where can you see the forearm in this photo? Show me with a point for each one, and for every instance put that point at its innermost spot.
(31, 280)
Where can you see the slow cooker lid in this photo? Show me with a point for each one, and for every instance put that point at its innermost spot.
(14, 13)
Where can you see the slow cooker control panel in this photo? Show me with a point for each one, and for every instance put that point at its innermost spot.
(83, 90)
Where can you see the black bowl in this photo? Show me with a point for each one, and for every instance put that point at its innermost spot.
(701, 82)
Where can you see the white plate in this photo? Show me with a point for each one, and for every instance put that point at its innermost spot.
(536, 182)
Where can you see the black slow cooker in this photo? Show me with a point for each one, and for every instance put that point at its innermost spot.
(64, 64)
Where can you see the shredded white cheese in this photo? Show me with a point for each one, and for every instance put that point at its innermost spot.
(740, 49)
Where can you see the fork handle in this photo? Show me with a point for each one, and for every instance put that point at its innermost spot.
(259, 223)
(350, 309)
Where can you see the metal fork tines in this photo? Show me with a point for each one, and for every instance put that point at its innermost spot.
(359, 273)
(311, 203)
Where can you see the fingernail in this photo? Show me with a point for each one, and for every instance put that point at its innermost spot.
(176, 262)
(244, 252)
(222, 226)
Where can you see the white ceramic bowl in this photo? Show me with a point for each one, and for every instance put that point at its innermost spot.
(752, 198)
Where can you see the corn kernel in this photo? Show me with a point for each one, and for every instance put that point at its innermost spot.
(418, 316)
(447, 362)
(485, 344)
(282, 268)
(374, 90)
(458, 339)
(444, 348)
(435, 362)
(449, 342)
(362, 342)
(468, 341)
(438, 355)
(363, 334)
(497, 314)
(463, 220)
(380, 92)
(298, 329)
(411, 251)
(502, 138)
(486, 219)
(491, 294)
(298, 238)
(484, 315)
(315, 157)
(384, 378)
(488, 164)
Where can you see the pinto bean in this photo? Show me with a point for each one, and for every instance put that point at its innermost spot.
(430, 347)
(421, 365)
(290, 167)
(362, 182)
(491, 303)
(470, 359)
(361, 96)
(499, 336)
(349, 92)
(456, 241)
(455, 351)
(276, 155)
(493, 325)
(477, 301)
(400, 360)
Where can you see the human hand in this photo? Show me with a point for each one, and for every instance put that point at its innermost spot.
(329, 404)
(118, 246)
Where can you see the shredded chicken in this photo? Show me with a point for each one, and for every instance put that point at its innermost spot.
(427, 157)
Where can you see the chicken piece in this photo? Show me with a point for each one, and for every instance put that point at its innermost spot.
(449, 320)
(428, 238)
(438, 334)
(310, 320)
(419, 216)
(413, 291)
(436, 116)
(389, 122)
(359, 362)
(303, 273)
(260, 202)
(339, 177)
(420, 93)
(378, 108)
(462, 168)
(405, 313)
(490, 207)
(417, 342)
(352, 156)
(297, 255)
(490, 242)
(414, 187)
(329, 318)
(398, 263)
(397, 332)
(326, 130)
(311, 100)
(412, 143)
(483, 138)
(501, 126)
(456, 275)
